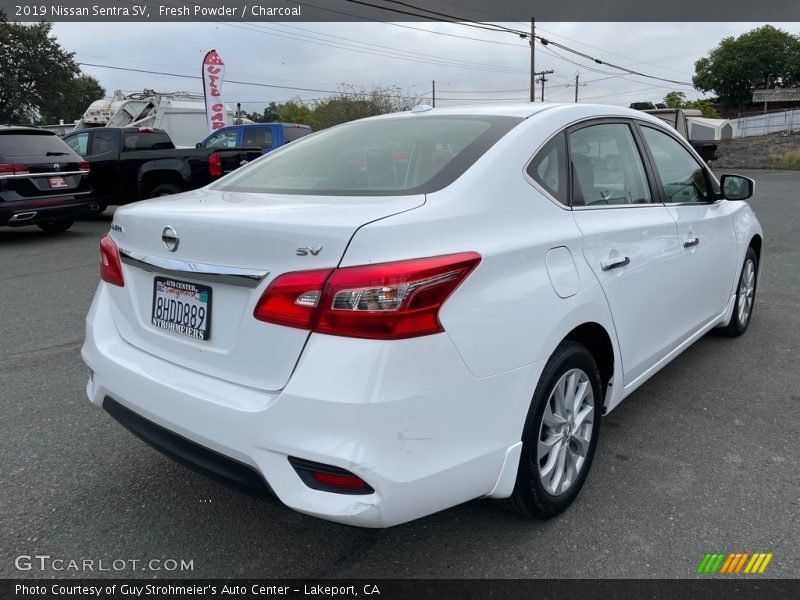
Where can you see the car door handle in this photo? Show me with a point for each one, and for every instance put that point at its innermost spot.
(613, 263)
(689, 242)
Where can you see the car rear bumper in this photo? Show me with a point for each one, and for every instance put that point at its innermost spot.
(407, 417)
(29, 212)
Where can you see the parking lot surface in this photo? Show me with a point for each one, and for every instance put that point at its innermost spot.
(702, 458)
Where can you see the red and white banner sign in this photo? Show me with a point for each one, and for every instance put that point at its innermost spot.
(213, 76)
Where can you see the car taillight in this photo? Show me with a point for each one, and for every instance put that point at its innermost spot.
(215, 165)
(110, 264)
(84, 166)
(6, 169)
(384, 301)
(292, 299)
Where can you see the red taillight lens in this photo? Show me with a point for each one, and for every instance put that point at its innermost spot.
(110, 264)
(385, 301)
(84, 166)
(392, 300)
(215, 165)
(6, 169)
(292, 299)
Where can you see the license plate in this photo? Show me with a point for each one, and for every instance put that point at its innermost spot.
(57, 182)
(182, 307)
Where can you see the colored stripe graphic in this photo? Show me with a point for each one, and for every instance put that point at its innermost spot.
(732, 562)
(741, 562)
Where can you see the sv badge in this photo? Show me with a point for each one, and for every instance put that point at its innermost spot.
(306, 250)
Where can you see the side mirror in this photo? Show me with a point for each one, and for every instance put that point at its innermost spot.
(736, 187)
(198, 145)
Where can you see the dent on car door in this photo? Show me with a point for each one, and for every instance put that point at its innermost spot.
(629, 241)
(705, 229)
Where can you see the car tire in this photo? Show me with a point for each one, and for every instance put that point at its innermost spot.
(540, 492)
(57, 226)
(165, 189)
(745, 296)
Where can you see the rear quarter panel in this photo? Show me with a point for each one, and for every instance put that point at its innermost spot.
(507, 313)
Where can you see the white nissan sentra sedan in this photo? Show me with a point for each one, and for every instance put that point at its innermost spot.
(403, 313)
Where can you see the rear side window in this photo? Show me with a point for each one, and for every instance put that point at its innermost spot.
(391, 156)
(37, 144)
(549, 168)
(256, 137)
(141, 140)
(607, 167)
(103, 143)
(292, 133)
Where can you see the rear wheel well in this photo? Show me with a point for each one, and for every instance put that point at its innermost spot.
(155, 178)
(755, 244)
(596, 340)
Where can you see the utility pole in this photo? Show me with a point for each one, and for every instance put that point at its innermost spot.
(577, 84)
(533, 59)
(542, 79)
(433, 83)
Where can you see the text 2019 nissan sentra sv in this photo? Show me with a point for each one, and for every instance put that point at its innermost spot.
(400, 314)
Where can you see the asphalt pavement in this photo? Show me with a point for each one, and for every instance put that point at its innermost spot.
(702, 458)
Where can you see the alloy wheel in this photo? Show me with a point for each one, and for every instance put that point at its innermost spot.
(565, 432)
(747, 287)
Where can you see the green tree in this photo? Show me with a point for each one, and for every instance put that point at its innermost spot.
(675, 100)
(706, 106)
(349, 104)
(270, 114)
(353, 103)
(765, 57)
(294, 111)
(40, 81)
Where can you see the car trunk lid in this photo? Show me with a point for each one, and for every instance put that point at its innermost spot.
(229, 247)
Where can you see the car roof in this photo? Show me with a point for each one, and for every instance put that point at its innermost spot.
(521, 110)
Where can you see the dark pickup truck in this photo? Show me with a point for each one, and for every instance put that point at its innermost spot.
(129, 163)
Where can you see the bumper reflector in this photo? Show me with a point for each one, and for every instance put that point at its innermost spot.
(328, 478)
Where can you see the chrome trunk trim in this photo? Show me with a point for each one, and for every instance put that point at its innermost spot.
(204, 272)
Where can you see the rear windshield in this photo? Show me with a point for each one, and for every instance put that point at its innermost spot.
(141, 140)
(293, 132)
(33, 144)
(396, 156)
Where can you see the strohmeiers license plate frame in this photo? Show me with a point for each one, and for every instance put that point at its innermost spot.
(181, 293)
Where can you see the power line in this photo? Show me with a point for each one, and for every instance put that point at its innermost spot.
(447, 19)
(644, 62)
(522, 34)
(406, 52)
(234, 81)
(366, 47)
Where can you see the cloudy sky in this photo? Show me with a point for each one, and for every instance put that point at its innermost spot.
(468, 65)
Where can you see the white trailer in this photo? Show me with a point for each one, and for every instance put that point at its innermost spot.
(181, 114)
